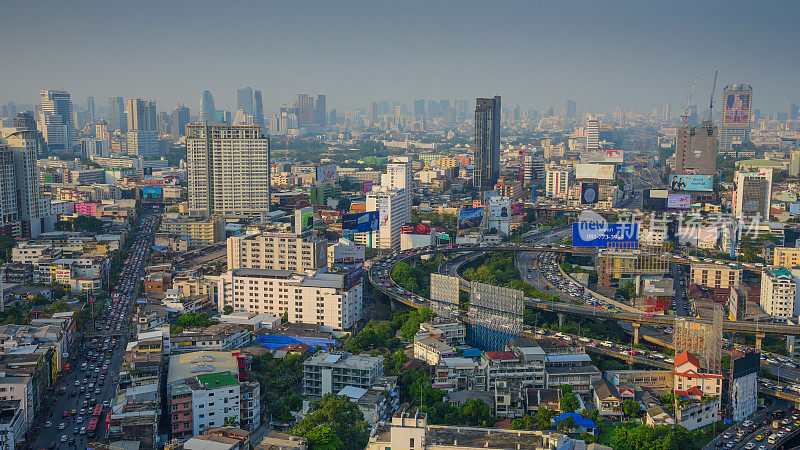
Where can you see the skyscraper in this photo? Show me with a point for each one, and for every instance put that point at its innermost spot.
(116, 115)
(487, 142)
(55, 120)
(792, 111)
(90, 112)
(244, 100)
(21, 148)
(752, 194)
(25, 121)
(667, 113)
(419, 108)
(696, 149)
(258, 109)
(142, 136)
(373, 113)
(592, 134)
(321, 111)
(305, 109)
(208, 113)
(737, 101)
(228, 170)
(571, 108)
(180, 118)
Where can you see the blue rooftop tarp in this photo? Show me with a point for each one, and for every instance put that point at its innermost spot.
(579, 420)
(471, 353)
(272, 342)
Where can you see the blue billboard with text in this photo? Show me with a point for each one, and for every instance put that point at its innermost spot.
(360, 222)
(600, 234)
(470, 218)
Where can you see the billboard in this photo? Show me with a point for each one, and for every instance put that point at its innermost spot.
(700, 183)
(303, 220)
(416, 228)
(489, 194)
(614, 156)
(327, 173)
(794, 208)
(470, 218)
(590, 193)
(518, 209)
(368, 186)
(679, 201)
(348, 255)
(589, 171)
(154, 192)
(600, 234)
(736, 109)
(360, 222)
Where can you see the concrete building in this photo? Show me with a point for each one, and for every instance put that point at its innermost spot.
(558, 180)
(779, 292)
(394, 208)
(752, 195)
(198, 231)
(487, 142)
(715, 276)
(696, 149)
(56, 120)
(26, 218)
(787, 257)
(228, 170)
(688, 375)
(398, 176)
(326, 299)
(277, 251)
(142, 134)
(324, 373)
(222, 336)
(432, 350)
(736, 114)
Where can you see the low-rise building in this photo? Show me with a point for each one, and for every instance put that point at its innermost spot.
(222, 336)
(277, 251)
(688, 375)
(787, 257)
(644, 378)
(324, 373)
(431, 350)
(715, 276)
(606, 398)
(198, 231)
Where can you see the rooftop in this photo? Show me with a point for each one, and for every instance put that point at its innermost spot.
(187, 365)
(212, 380)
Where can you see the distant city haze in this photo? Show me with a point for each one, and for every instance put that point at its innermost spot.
(600, 53)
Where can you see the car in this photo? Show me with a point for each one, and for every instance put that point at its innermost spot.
(63, 438)
(83, 430)
(48, 424)
(71, 441)
(79, 419)
(65, 413)
(62, 425)
(74, 411)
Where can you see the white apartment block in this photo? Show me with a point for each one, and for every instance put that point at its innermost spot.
(27, 253)
(327, 299)
(394, 208)
(779, 292)
(215, 397)
(398, 176)
(228, 170)
(278, 251)
(557, 181)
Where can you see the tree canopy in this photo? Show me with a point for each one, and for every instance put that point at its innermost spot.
(334, 423)
(81, 223)
(654, 438)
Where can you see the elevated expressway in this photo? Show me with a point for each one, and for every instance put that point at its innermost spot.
(385, 284)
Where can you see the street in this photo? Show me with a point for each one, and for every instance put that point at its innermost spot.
(95, 368)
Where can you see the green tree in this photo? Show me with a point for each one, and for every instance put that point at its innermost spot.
(6, 244)
(343, 418)
(543, 418)
(569, 402)
(227, 309)
(631, 408)
(566, 424)
(294, 402)
(81, 223)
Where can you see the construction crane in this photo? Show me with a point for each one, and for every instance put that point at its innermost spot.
(685, 117)
(711, 100)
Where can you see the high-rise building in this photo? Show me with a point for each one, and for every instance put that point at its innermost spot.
(487, 142)
(397, 176)
(752, 194)
(692, 118)
(792, 111)
(419, 108)
(592, 134)
(531, 168)
(394, 209)
(244, 100)
(23, 147)
(794, 163)
(56, 120)
(558, 181)
(25, 121)
(778, 293)
(228, 170)
(305, 109)
(571, 109)
(667, 113)
(277, 251)
(180, 118)
(208, 113)
(90, 111)
(321, 111)
(9, 208)
(373, 113)
(696, 149)
(258, 109)
(116, 115)
(737, 101)
(142, 135)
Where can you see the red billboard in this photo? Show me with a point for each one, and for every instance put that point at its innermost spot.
(517, 209)
(416, 228)
(736, 109)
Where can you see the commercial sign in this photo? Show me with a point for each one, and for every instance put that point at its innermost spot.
(679, 201)
(470, 218)
(153, 192)
(590, 193)
(416, 228)
(353, 278)
(736, 109)
(614, 156)
(327, 173)
(600, 234)
(699, 183)
(517, 209)
(587, 171)
(303, 220)
(360, 222)
(348, 255)
(368, 186)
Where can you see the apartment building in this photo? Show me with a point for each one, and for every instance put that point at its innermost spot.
(198, 231)
(715, 276)
(324, 373)
(29, 253)
(779, 293)
(689, 375)
(786, 257)
(558, 180)
(277, 251)
(394, 208)
(327, 299)
(222, 336)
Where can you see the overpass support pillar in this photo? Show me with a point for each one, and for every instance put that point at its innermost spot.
(636, 326)
(759, 337)
(560, 319)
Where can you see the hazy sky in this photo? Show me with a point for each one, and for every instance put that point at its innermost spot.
(600, 53)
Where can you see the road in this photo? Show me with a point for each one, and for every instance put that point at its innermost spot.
(125, 293)
(762, 421)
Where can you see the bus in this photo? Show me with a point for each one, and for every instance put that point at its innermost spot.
(98, 411)
(91, 430)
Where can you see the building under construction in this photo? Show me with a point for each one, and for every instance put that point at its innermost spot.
(444, 295)
(495, 315)
(629, 260)
(703, 340)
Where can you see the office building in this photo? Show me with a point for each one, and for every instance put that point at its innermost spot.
(778, 292)
(244, 100)
(321, 111)
(116, 115)
(531, 168)
(277, 251)
(696, 149)
(571, 109)
(305, 109)
(23, 216)
(558, 180)
(592, 134)
(56, 111)
(326, 299)
(228, 170)
(394, 209)
(752, 195)
(25, 121)
(258, 109)
(9, 208)
(90, 110)
(208, 112)
(419, 108)
(180, 118)
(197, 231)
(326, 373)
(487, 143)
(142, 135)
(737, 100)
(715, 276)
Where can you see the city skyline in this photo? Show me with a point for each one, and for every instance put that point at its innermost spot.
(600, 54)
